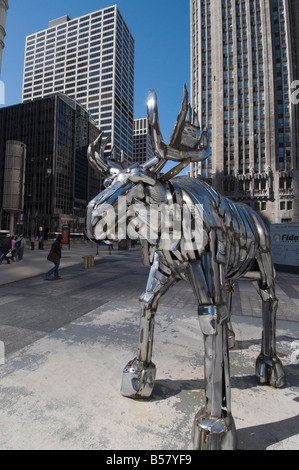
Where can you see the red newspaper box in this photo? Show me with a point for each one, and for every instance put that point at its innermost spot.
(65, 236)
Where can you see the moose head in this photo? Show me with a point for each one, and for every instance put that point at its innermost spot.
(187, 144)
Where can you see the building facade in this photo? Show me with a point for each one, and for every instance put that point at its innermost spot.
(59, 182)
(90, 59)
(142, 148)
(244, 66)
(3, 11)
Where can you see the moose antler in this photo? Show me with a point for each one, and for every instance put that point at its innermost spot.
(186, 142)
(95, 154)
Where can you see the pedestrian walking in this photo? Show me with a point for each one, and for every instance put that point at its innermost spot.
(32, 240)
(13, 248)
(20, 246)
(40, 243)
(54, 256)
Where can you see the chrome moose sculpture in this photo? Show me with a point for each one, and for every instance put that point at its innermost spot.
(222, 242)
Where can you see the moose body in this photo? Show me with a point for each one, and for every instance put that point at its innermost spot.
(223, 242)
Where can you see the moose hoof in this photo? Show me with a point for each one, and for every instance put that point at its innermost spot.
(231, 339)
(270, 370)
(138, 379)
(213, 433)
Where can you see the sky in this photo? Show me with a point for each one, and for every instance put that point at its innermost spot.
(161, 29)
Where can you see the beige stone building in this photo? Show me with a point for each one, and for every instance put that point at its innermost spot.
(3, 10)
(245, 87)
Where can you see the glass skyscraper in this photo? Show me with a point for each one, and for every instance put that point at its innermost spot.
(59, 182)
(90, 59)
(244, 61)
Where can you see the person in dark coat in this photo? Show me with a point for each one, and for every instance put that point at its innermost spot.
(54, 256)
(20, 246)
(6, 246)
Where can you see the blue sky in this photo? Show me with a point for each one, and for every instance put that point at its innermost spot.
(162, 47)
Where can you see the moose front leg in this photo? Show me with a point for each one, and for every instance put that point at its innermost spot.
(214, 427)
(139, 374)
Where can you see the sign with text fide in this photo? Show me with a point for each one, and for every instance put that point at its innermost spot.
(285, 244)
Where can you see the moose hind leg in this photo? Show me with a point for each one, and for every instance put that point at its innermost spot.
(231, 337)
(214, 427)
(269, 368)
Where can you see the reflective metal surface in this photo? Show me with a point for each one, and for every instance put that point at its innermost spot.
(189, 231)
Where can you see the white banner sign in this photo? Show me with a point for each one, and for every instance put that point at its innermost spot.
(285, 244)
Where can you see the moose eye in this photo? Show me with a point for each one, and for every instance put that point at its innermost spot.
(107, 182)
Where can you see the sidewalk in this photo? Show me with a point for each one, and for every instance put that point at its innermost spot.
(35, 264)
(67, 341)
(35, 261)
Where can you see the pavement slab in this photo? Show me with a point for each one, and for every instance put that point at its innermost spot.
(67, 341)
(63, 391)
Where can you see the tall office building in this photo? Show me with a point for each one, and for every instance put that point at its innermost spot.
(244, 66)
(90, 59)
(142, 148)
(3, 11)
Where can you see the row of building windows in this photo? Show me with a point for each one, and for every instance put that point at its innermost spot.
(76, 48)
(73, 24)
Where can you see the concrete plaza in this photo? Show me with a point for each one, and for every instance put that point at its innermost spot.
(67, 341)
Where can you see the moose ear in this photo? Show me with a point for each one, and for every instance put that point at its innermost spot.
(138, 175)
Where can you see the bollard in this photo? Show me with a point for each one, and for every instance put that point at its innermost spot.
(88, 261)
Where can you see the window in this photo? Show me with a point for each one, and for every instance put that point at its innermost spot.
(282, 205)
